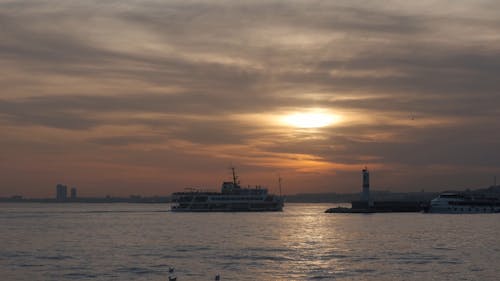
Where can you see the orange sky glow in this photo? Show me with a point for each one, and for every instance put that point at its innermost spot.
(125, 97)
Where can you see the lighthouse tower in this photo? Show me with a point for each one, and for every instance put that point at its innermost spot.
(365, 196)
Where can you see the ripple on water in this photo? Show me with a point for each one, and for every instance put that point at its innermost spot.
(332, 256)
(416, 258)
(451, 261)
(55, 257)
(174, 257)
(30, 265)
(191, 248)
(135, 270)
(257, 257)
(78, 275)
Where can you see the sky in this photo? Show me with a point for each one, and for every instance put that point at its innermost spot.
(151, 97)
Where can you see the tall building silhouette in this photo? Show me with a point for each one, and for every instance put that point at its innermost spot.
(61, 192)
(73, 193)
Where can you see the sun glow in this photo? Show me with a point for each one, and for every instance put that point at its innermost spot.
(310, 119)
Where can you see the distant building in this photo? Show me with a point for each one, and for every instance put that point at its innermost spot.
(73, 193)
(61, 192)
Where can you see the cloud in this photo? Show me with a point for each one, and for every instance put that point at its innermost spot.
(415, 83)
(55, 116)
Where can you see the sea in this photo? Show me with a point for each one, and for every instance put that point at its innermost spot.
(75, 241)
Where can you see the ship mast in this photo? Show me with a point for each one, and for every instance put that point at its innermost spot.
(235, 178)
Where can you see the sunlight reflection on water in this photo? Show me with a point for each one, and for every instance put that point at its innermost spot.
(140, 242)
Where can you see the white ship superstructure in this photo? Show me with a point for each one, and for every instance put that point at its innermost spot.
(451, 202)
(232, 198)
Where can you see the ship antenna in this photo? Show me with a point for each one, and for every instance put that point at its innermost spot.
(279, 183)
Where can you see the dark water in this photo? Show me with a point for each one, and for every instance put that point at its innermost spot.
(140, 242)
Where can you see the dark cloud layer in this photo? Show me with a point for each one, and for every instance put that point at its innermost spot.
(416, 86)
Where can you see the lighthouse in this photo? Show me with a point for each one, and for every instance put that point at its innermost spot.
(365, 196)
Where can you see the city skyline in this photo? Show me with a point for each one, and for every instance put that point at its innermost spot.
(153, 97)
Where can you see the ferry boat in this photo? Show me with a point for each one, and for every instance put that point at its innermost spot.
(232, 198)
(451, 202)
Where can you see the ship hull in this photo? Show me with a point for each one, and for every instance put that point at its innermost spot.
(236, 207)
(464, 210)
(225, 210)
(216, 202)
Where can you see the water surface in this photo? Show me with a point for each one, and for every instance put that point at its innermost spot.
(141, 241)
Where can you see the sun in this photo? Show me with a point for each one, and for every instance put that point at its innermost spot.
(313, 119)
